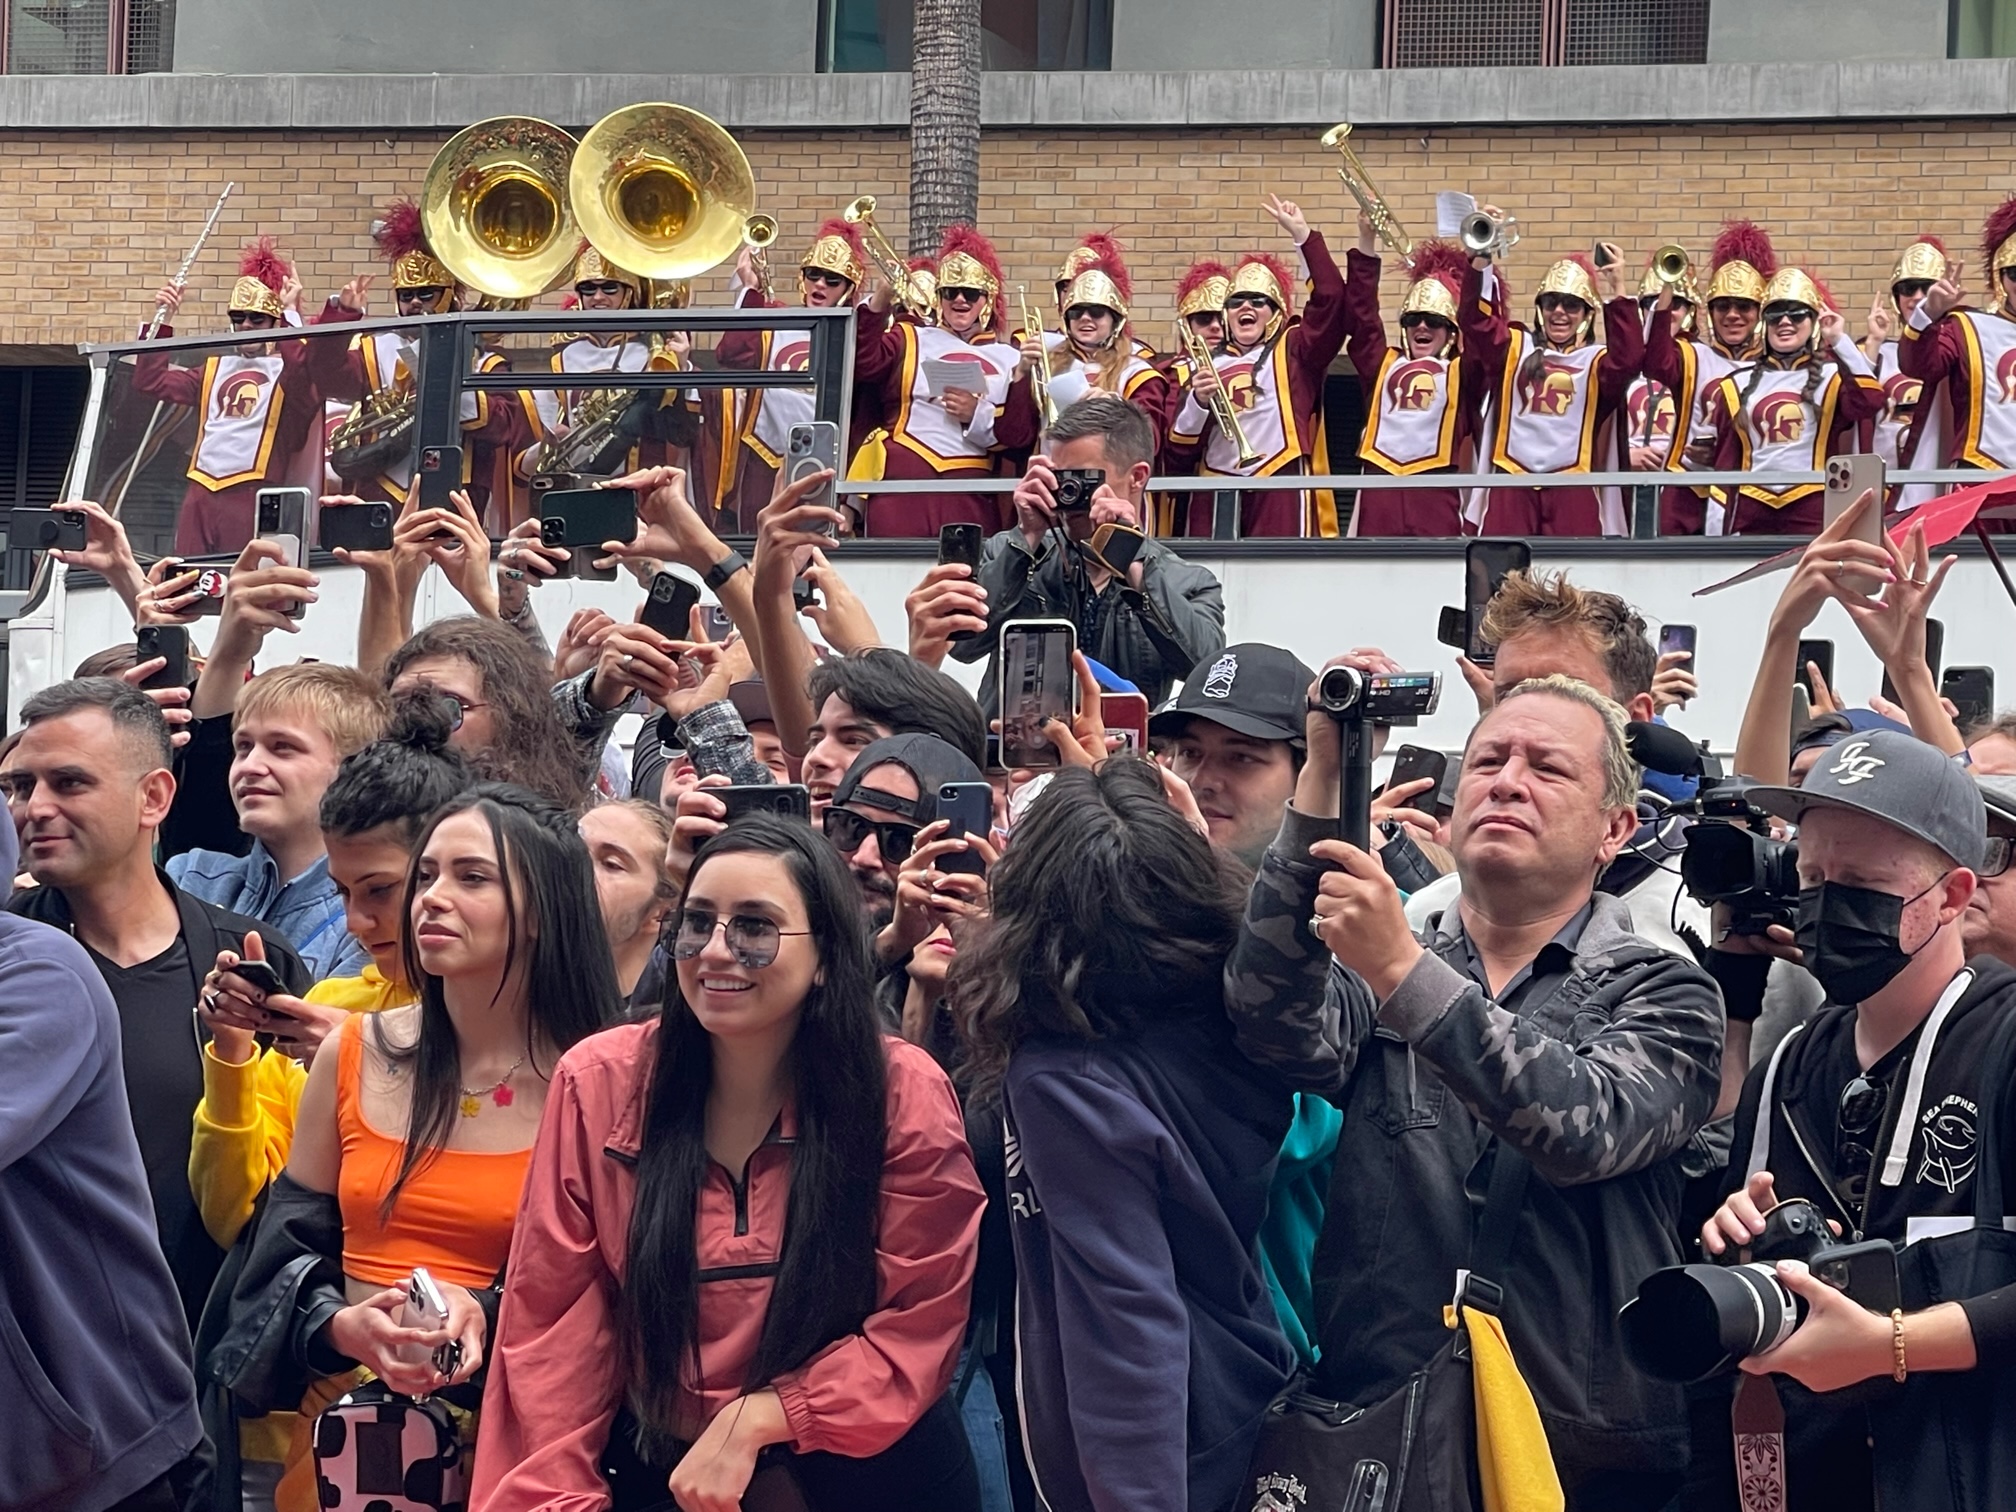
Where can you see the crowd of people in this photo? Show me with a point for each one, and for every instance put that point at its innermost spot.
(406, 1090)
(1743, 364)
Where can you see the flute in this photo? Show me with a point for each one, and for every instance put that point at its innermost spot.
(181, 278)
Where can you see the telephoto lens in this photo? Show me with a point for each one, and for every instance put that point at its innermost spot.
(1690, 1322)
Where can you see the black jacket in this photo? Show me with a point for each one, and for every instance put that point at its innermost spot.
(1599, 1072)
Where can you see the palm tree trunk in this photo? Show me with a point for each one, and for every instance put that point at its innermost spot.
(944, 121)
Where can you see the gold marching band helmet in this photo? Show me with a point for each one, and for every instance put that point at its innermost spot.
(1924, 261)
(261, 273)
(1574, 277)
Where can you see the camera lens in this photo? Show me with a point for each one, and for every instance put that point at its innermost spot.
(1690, 1322)
(1340, 689)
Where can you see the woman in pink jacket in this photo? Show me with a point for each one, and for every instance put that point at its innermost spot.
(663, 1325)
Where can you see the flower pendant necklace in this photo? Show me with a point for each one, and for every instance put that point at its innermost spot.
(500, 1094)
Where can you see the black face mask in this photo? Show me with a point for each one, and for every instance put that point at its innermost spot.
(1849, 938)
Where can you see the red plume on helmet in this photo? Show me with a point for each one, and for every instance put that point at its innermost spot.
(1583, 261)
(1200, 271)
(1827, 302)
(259, 260)
(1273, 265)
(1439, 259)
(974, 245)
(1106, 248)
(1999, 227)
(922, 265)
(1928, 239)
(1109, 261)
(398, 231)
(847, 231)
(1745, 242)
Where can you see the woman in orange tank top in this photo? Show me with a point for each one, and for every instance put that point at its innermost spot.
(421, 1125)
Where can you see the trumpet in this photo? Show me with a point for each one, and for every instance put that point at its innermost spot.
(1039, 370)
(861, 212)
(1359, 182)
(1221, 402)
(1484, 237)
(758, 232)
(1671, 264)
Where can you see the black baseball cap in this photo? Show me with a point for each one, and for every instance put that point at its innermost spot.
(1899, 779)
(1251, 689)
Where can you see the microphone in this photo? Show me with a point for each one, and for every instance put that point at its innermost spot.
(1661, 748)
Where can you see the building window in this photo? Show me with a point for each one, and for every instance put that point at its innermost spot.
(873, 36)
(87, 36)
(1983, 29)
(1549, 33)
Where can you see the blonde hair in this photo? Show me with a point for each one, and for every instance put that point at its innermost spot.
(351, 708)
(1620, 772)
(1611, 628)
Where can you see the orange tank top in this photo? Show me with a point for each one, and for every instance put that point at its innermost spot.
(454, 1215)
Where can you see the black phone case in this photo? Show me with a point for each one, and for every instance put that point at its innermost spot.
(961, 543)
(587, 516)
(970, 807)
(355, 527)
(25, 527)
(668, 608)
(171, 641)
(792, 800)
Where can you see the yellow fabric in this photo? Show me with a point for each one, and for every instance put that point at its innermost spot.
(369, 993)
(870, 457)
(1514, 1464)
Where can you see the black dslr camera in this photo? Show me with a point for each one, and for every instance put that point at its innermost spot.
(1731, 857)
(1689, 1322)
(1075, 487)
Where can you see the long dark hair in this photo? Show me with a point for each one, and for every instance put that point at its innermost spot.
(570, 976)
(1109, 912)
(826, 1277)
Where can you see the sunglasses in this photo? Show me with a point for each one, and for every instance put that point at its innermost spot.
(1995, 859)
(1856, 1120)
(1248, 302)
(1782, 314)
(419, 296)
(251, 322)
(753, 941)
(1410, 322)
(606, 286)
(1553, 303)
(823, 278)
(962, 296)
(848, 830)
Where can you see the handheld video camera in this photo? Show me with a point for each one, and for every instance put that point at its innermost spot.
(1731, 857)
(1358, 700)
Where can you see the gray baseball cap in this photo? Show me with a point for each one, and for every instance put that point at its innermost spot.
(1999, 793)
(1896, 778)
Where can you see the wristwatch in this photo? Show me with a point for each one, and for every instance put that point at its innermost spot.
(723, 570)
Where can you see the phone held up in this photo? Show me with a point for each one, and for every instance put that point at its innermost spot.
(1487, 563)
(170, 642)
(961, 543)
(1847, 478)
(813, 446)
(282, 517)
(46, 529)
(1037, 685)
(787, 800)
(668, 606)
(970, 808)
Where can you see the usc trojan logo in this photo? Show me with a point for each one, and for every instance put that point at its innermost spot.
(2005, 377)
(1902, 392)
(1781, 418)
(1412, 385)
(1550, 391)
(987, 368)
(238, 395)
(1662, 407)
(1239, 385)
(795, 357)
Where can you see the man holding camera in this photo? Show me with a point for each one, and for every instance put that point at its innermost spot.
(1140, 609)
(1883, 1112)
(1529, 1022)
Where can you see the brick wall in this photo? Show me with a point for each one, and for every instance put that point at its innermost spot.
(91, 223)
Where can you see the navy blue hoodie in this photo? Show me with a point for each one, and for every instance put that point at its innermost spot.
(96, 1396)
(1137, 1179)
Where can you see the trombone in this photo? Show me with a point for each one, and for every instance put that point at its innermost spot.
(1352, 171)
(758, 232)
(861, 212)
(1484, 237)
(1221, 402)
(1039, 370)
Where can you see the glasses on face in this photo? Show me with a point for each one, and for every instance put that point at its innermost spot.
(1248, 302)
(419, 296)
(847, 830)
(242, 322)
(1856, 1121)
(962, 296)
(1416, 320)
(823, 278)
(459, 707)
(1784, 314)
(606, 286)
(753, 940)
(1995, 860)
(1554, 304)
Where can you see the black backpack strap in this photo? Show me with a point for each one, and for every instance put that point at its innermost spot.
(1503, 1202)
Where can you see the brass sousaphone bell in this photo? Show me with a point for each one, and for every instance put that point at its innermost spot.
(661, 190)
(495, 206)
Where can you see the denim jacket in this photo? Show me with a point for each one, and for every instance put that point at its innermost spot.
(305, 909)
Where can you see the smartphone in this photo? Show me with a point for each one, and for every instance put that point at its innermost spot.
(1935, 655)
(1037, 684)
(170, 641)
(961, 543)
(1847, 478)
(804, 596)
(1486, 565)
(792, 800)
(1821, 654)
(811, 446)
(441, 474)
(574, 517)
(1126, 715)
(355, 527)
(1117, 546)
(1867, 1272)
(46, 529)
(426, 1308)
(261, 975)
(668, 608)
(720, 625)
(970, 807)
(1972, 690)
(1677, 638)
(1410, 764)
(282, 518)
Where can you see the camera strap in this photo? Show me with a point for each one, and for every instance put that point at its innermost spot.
(1482, 1285)
(1758, 1419)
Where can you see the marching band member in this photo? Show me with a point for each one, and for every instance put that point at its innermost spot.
(256, 404)
(1556, 388)
(1200, 305)
(1093, 247)
(1793, 409)
(1421, 397)
(1972, 352)
(940, 428)
(1272, 366)
(1098, 352)
(1904, 416)
(829, 275)
(376, 372)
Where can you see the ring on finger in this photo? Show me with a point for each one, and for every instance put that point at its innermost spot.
(1316, 925)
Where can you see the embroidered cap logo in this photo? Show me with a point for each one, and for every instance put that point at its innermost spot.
(1852, 766)
(1218, 681)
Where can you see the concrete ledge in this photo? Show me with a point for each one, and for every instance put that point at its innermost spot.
(1716, 92)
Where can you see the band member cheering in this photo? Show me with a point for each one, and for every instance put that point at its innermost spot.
(1096, 247)
(1097, 352)
(1272, 367)
(1905, 418)
(1556, 389)
(829, 274)
(950, 392)
(1421, 397)
(1794, 409)
(1972, 351)
(372, 450)
(256, 405)
(1655, 427)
